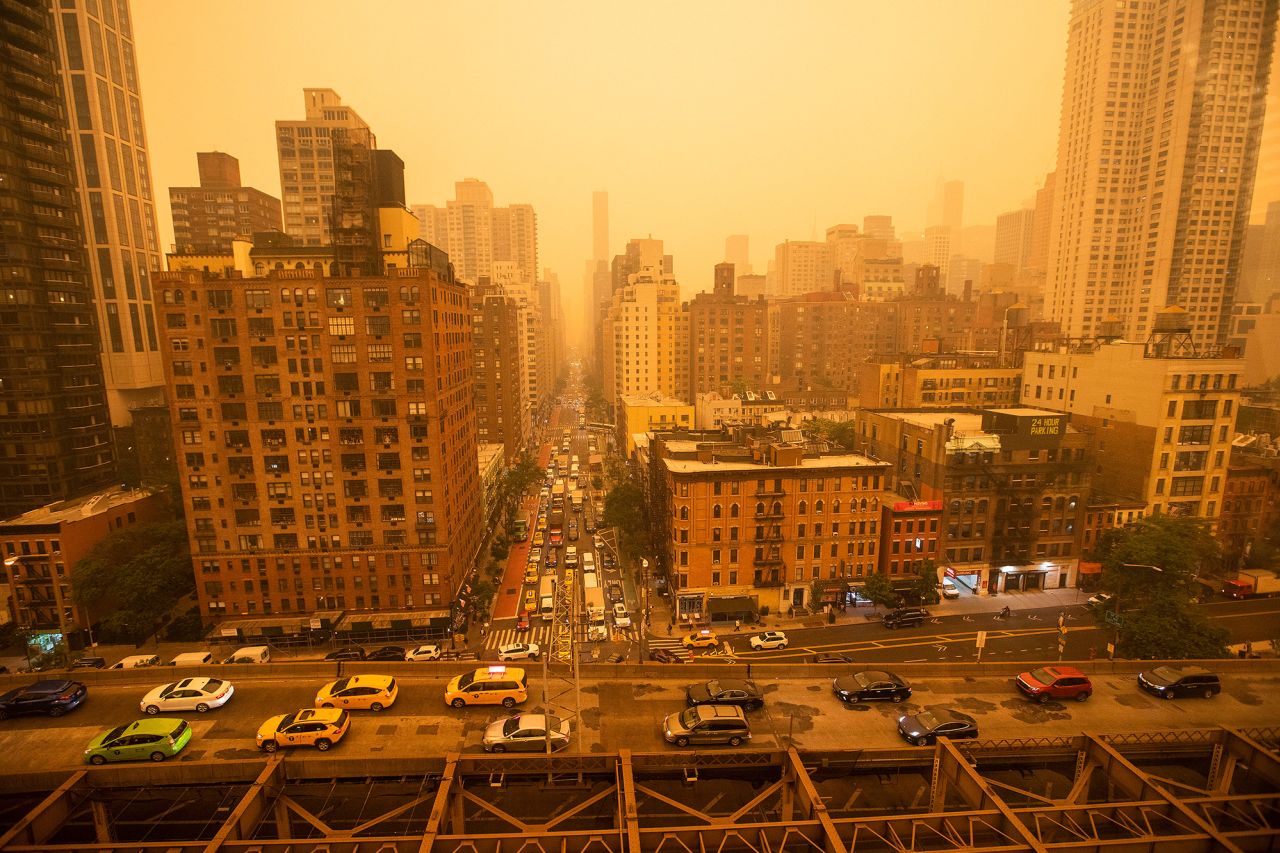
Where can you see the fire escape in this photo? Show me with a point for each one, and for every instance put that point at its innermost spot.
(353, 217)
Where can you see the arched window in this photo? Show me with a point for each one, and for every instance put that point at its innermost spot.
(760, 508)
(260, 269)
(1072, 502)
(862, 506)
(715, 511)
(318, 266)
(817, 507)
(284, 296)
(777, 507)
(875, 504)
(1046, 503)
(802, 508)
(167, 297)
(299, 266)
(835, 506)
(404, 293)
(733, 510)
(311, 294)
(684, 513)
(279, 265)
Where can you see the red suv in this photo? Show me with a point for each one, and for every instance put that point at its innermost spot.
(1055, 682)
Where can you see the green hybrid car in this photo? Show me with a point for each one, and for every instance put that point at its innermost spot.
(154, 739)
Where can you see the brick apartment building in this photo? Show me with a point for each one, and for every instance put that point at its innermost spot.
(325, 439)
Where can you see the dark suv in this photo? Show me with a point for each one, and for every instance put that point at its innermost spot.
(1168, 682)
(54, 698)
(1055, 682)
(904, 617)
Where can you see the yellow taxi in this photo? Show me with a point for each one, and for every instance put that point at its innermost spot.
(492, 685)
(531, 597)
(318, 727)
(538, 539)
(706, 638)
(531, 573)
(367, 692)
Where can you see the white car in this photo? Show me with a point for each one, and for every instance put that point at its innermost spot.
(423, 653)
(519, 651)
(621, 618)
(769, 640)
(189, 694)
(1102, 599)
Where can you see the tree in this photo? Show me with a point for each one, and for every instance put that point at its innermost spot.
(523, 474)
(625, 509)
(1151, 567)
(135, 576)
(881, 592)
(924, 586)
(837, 432)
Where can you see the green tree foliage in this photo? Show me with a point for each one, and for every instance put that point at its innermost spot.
(625, 509)
(1151, 567)
(924, 587)
(840, 433)
(881, 592)
(134, 576)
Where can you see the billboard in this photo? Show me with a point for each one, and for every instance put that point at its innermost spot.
(1026, 429)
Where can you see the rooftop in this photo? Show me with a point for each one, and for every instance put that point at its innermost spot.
(657, 398)
(79, 508)
(816, 463)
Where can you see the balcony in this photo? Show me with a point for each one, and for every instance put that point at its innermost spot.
(771, 492)
(768, 515)
(774, 535)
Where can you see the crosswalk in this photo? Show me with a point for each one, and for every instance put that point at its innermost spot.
(541, 634)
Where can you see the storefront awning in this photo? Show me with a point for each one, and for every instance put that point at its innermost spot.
(731, 604)
(1090, 568)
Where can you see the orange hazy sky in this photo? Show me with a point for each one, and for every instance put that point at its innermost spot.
(701, 119)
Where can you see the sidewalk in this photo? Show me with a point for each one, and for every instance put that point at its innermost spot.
(967, 604)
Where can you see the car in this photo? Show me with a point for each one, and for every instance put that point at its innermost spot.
(706, 638)
(949, 588)
(523, 621)
(531, 598)
(1169, 682)
(769, 640)
(526, 733)
(531, 573)
(189, 694)
(553, 557)
(538, 539)
(1101, 599)
(347, 653)
(621, 618)
(832, 657)
(1054, 682)
(927, 726)
(519, 651)
(872, 684)
(367, 692)
(492, 685)
(154, 739)
(535, 556)
(387, 653)
(53, 698)
(665, 656)
(707, 724)
(904, 617)
(318, 727)
(725, 691)
(613, 592)
(590, 523)
(429, 651)
(607, 559)
(89, 662)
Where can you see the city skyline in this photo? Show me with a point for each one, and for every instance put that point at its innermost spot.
(730, 160)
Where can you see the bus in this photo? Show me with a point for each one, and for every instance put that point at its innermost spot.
(547, 598)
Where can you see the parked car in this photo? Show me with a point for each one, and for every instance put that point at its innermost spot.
(707, 724)
(189, 694)
(621, 618)
(769, 640)
(1055, 682)
(519, 651)
(927, 726)
(318, 727)
(949, 588)
(155, 739)
(832, 657)
(347, 653)
(665, 656)
(872, 684)
(429, 651)
(1169, 682)
(725, 691)
(904, 617)
(368, 692)
(387, 653)
(1101, 599)
(53, 698)
(526, 733)
(89, 662)
(614, 593)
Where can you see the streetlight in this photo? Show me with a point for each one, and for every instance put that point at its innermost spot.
(1116, 643)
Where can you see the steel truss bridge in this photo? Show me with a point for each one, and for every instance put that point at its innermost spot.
(1189, 790)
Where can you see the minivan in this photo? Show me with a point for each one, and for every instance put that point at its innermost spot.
(494, 685)
(136, 662)
(706, 724)
(192, 659)
(250, 654)
(904, 617)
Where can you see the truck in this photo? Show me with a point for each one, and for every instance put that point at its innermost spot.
(547, 597)
(1252, 583)
(597, 628)
(555, 527)
(557, 495)
(576, 500)
(520, 529)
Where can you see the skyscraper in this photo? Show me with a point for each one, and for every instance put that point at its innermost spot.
(947, 207)
(476, 234)
(1161, 116)
(803, 266)
(306, 151)
(639, 330)
(1013, 237)
(55, 430)
(113, 172)
(208, 217)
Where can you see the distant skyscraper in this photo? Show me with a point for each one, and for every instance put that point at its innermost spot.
(639, 334)
(206, 218)
(476, 234)
(1267, 185)
(802, 266)
(1013, 237)
(880, 227)
(937, 248)
(1155, 169)
(1041, 220)
(1260, 270)
(947, 207)
(737, 251)
(305, 148)
(113, 169)
(55, 429)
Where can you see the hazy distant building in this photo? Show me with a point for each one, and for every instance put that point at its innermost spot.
(1260, 266)
(103, 100)
(737, 251)
(880, 227)
(1013, 237)
(476, 234)
(502, 410)
(728, 338)
(947, 207)
(802, 266)
(751, 286)
(206, 218)
(937, 249)
(1156, 162)
(639, 333)
(599, 225)
(55, 427)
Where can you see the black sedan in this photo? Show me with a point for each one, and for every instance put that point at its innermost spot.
(54, 697)
(927, 726)
(665, 656)
(872, 684)
(348, 653)
(725, 691)
(387, 653)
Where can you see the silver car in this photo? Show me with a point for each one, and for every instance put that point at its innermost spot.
(526, 733)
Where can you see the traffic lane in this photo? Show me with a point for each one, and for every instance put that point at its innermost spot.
(629, 713)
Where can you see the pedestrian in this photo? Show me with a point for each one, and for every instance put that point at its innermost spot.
(737, 624)
(748, 670)
(669, 627)
(1093, 652)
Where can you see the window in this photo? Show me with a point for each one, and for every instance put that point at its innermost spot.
(342, 326)
(1199, 410)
